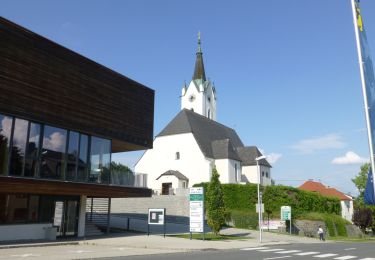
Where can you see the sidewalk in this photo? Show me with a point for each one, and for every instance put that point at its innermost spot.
(126, 244)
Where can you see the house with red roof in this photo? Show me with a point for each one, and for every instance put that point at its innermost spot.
(346, 200)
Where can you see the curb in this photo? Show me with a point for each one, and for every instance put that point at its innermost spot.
(38, 244)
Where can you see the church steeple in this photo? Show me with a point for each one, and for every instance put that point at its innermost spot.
(199, 72)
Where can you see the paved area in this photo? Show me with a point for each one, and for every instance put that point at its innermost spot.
(126, 244)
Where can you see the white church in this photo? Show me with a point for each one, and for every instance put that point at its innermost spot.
(187, 149)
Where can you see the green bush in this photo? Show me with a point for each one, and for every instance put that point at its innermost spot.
(244, 197)
(244, 219)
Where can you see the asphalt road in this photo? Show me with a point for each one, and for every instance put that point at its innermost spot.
(337, 251)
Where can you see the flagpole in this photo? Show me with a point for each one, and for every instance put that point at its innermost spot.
(363, 81)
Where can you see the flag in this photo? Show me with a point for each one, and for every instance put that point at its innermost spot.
(367, 79)
(369, 191)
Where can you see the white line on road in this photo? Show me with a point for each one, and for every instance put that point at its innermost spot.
(24, 255)
(367, 258)
(324, 255)
(288, 252)
(351, 248)
(271, 250)
(345, 257)
(253, 248)
(81, 251)
(308, 253)
(278, 257)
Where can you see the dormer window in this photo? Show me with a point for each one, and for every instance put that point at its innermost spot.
(177, 157)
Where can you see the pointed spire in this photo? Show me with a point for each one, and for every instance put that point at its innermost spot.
(199, 72)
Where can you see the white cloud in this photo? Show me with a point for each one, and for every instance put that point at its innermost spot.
(272, 158)
(349, 158)
(55, 142)
(330, 141)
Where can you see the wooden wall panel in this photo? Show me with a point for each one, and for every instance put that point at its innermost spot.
(45, 82)
(50, 187)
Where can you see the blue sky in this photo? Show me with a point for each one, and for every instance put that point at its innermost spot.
(286, 72)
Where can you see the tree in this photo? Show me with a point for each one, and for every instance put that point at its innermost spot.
(216, 211)
(362, 218)
(121, 174)
(360, 182)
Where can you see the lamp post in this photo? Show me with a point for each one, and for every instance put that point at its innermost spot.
(259, 198)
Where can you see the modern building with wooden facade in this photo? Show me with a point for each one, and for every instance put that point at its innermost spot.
(61, 117)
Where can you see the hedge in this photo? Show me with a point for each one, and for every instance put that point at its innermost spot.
(244, 197)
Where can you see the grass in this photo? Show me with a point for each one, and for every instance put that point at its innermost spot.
(211, 237)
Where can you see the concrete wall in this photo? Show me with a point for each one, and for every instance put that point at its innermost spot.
(175, 205)
(24, 231)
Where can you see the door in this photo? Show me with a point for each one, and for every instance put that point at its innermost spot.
(165, 188)
(66, 217)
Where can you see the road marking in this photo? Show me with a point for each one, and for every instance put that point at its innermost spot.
(271, 250)
(288, 252)
(24, 255)
(253, 248)
(351, 248)
(367, 259)
(345, 257)
(278, 257)
(324, 255)
(81, 251)
(308, 253)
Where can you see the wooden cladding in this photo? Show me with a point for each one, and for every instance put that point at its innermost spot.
(13, 185)
(45, 82)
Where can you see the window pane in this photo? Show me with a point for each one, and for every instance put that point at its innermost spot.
(32, 150)
(33, 142)
(82, 162)
(53, 151)
(72, 155)
(5, 131)
(100, 160)
(19, 146)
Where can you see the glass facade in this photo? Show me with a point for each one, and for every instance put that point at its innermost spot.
(100, 159)
(29, 149)
(6, 124)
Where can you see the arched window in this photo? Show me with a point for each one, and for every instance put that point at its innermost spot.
(209, 114)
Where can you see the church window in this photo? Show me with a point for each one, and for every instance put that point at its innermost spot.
(262, 174)
(177, 156)
(209, 114)
(267, 174)
(209, 99)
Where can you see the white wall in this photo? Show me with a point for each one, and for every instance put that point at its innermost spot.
(161, 158)
(200, 105)
(24, 231)
(226, 169)
(251, 174)
(347, 209)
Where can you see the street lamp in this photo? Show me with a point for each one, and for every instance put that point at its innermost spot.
(259, 198)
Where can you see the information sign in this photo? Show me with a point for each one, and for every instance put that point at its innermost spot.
(197, 210)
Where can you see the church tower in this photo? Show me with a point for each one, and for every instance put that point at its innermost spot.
(200, 94)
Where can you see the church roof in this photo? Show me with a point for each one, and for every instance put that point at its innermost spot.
(213, 138)
(178, 174)
(223, 149)
(248, 155)
(199, 72)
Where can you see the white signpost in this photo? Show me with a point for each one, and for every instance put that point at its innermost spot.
(196, 210)
(286, 214)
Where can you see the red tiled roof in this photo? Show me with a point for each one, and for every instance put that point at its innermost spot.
(323, 190)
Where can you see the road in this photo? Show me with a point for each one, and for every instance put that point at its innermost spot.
(337, 251)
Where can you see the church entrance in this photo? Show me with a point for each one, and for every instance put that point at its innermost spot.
(166, 188)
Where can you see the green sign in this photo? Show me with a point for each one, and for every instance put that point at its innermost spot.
(196, 197)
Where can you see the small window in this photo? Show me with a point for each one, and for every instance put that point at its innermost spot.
(262, 174)
(235, 173)
(267, 174)
(209, 114)
(177, 156)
